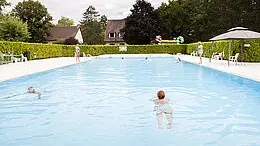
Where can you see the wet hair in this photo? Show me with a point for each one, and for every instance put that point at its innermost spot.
(161, 94)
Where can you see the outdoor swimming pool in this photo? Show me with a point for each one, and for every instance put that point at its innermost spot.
(106, 102)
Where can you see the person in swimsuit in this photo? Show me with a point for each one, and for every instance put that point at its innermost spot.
(77, 53)
(162, 106)
(33, 91)
(200, 51)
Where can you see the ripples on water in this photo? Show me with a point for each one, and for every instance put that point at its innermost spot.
(107, 102)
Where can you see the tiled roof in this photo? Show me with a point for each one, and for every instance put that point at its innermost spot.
(61, 33)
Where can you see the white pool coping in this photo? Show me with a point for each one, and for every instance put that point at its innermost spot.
(19, 69)
(246, 70)
(16, 70)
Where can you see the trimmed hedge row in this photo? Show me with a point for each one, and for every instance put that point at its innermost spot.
(55, 50)
(251, 54)
(42, 51)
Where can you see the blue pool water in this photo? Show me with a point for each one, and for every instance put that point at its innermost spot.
(106, 102)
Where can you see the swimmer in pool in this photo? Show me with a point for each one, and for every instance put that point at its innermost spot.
(161, 107)
(33, 91)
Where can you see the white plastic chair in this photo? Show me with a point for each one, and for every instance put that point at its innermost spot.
(194, 53)
(23, 58)
(234, 58)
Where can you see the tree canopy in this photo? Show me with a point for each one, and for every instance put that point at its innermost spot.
(3, 4)
(93, 26)
(64, 21)
(142, 25)
(201, 20)
(13, 29)
(37, 18)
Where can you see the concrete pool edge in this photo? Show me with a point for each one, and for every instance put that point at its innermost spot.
(249, 71)
(20, 69)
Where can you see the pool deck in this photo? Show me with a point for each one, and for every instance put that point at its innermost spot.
(19, 69)
(246, 70)
(16, 70)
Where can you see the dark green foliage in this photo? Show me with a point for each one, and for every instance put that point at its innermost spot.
(92, 27)
(71, 41)
(142, 25)
(37, 18)
(200, 20)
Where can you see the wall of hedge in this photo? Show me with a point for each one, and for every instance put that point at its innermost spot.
(55, 50)
(42, 51)
(251, 54)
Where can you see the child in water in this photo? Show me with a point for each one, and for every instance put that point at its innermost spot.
(162, 106)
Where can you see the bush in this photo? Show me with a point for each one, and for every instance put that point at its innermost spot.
(251, 54)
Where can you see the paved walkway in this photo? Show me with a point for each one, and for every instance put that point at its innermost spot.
(19, 69)
(247, 70)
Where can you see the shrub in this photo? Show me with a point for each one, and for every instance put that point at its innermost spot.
(251, 54)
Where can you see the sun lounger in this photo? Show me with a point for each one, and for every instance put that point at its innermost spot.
(217, 56)
(2, 59)
(194, 53)
(234, 58)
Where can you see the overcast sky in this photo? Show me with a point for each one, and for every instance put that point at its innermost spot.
(113, 9)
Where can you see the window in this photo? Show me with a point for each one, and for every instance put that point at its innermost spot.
(111, 35)
(121, 35)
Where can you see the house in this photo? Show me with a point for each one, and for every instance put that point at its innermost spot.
(113, 34)
(62, 33)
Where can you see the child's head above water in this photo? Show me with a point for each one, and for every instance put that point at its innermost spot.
(161, 94)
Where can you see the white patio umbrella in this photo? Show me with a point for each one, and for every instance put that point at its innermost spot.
(237, 33)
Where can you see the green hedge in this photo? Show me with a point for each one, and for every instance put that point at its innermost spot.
(55, 50)
(251, 54)
(42, 51)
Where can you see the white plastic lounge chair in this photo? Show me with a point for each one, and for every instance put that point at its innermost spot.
(234, 58)
(83, 53)
(217, 56)
(221, 55)
(23, 58)
(194, 53)
(14, 59)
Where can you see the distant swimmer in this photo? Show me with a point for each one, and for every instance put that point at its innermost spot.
(30, 90)
(179, 60)
(33, 91)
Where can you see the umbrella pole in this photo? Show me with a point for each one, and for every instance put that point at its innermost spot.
(241, 51)
(230, 43)
(210, 51)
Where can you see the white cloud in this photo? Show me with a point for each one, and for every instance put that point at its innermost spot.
(113, 9)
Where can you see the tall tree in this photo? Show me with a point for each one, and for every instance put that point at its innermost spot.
(37, 18)
(204, 19)
(103, 22)
(178, 18)
(90, 15)
(3, 4)
(142, 25)
(13, 29)
(64, 21)
(92, 27)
